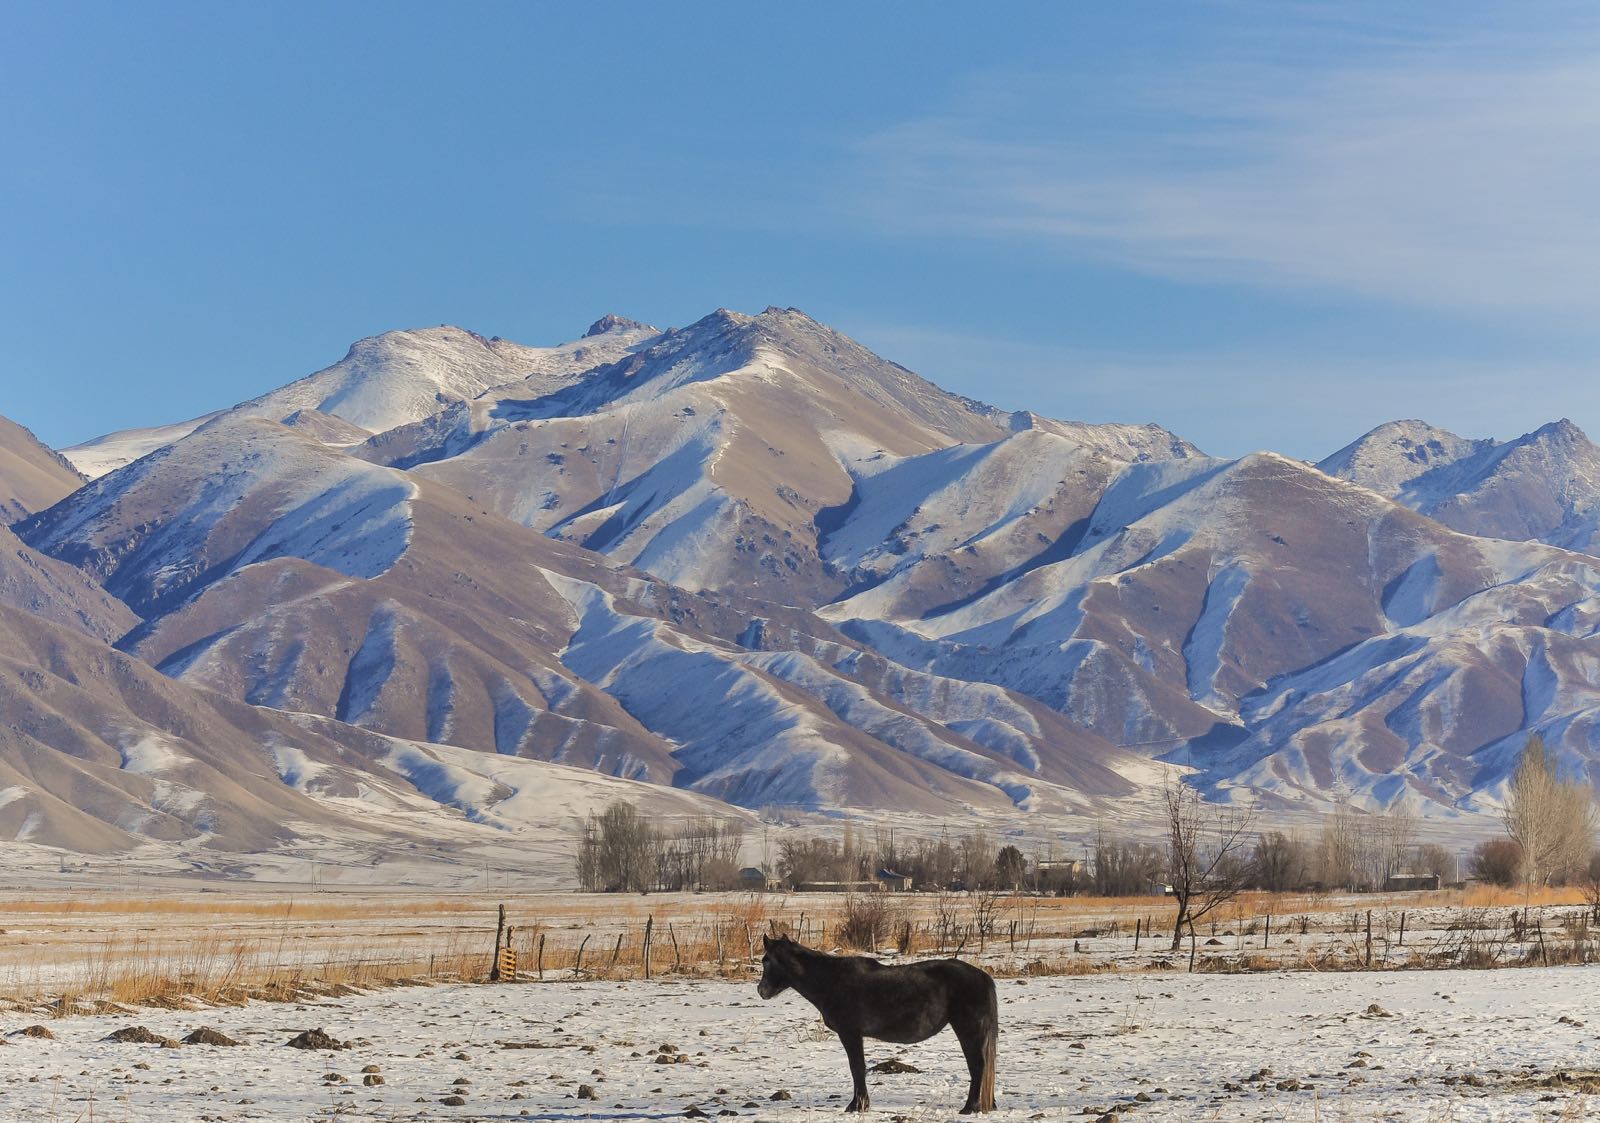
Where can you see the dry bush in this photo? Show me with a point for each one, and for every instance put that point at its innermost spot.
(867, 920)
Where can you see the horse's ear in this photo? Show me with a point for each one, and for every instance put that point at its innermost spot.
(766, 940)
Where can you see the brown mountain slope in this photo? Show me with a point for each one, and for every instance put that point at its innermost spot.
(56, 591)
(32, 477)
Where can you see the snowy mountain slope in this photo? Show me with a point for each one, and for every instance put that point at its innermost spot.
(236, 491)
(31, 476)
(1131, 443)
(31, 479)
(1439, 710)
(1397, 453)
(106, 453)
(101, 754)
(1543, 485)
(751, 559)
(703, 458)
(791, 727)
(467, 636)
(920, 534)
(401, 377)
(388, 380)
(1185, 602)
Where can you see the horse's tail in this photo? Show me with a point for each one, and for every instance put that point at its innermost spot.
(991, 1039)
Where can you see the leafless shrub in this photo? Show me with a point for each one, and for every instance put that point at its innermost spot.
(868, 919)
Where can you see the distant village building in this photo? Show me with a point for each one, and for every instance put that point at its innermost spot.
(755, 880)
(1069, 868)
(894, 882)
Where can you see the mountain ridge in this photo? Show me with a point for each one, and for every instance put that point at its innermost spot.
(749, 559)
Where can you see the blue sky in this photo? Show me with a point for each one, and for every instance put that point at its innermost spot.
(1263, 226)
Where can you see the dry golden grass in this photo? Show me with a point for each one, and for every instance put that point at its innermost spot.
(72, 951)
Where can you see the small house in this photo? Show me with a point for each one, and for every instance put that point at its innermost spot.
(894, 882)
(754, 879)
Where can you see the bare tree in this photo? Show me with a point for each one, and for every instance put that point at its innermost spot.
(1339, 848)
(1552, 819)
(1123, 869)
(619, 851)
(1205, 853)
(1432, 858)
(1394, 834)
(1280, 862)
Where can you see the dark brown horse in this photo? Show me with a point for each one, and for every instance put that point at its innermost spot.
(859, 997)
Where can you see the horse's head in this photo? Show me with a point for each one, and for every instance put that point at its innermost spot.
(779, 966)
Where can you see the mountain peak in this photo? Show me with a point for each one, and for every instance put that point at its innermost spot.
(1397, 453)
(1563, 430)
(613, 322)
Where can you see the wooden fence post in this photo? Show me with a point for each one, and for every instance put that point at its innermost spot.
(1266, 937)
(1369, 937)
(499, 932)
(541, 955)
(1138, 923)
(649, 929)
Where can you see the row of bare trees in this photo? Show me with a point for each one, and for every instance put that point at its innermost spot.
(623, 850)
(973, 860)
(1210, 854)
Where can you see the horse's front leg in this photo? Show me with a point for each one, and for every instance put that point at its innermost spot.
(858, 1070)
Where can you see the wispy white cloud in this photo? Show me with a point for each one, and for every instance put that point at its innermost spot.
(1459, 175)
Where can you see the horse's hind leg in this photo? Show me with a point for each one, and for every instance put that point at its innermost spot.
(978, 1034)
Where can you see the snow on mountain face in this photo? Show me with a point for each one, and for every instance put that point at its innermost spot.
(101, 754)
(704, 458)
(851, 589)
(1397, 453)
(107, 453)
(1118, 442)
(389, 380)
(1197, 586)
(400, 377)
(1544, 485)
(236, 491)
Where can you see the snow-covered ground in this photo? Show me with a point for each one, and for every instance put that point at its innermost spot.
(1422, 1045)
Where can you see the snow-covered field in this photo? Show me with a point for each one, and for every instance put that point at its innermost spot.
(1419, 1045)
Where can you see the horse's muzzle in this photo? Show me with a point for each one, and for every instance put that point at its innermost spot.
(766, 989)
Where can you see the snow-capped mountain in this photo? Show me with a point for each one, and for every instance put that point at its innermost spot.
(1543, 485)
(750, 560)
(712, 457)
(395, 604)
(390, 380)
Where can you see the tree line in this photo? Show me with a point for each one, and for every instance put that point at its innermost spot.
(1209, 854)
